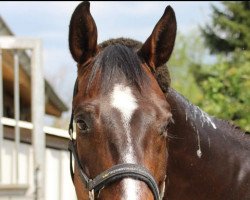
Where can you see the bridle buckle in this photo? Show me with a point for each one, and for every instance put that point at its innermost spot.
(92, 194)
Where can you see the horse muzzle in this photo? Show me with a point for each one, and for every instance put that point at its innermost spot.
(117, 172)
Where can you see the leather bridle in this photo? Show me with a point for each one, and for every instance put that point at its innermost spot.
(117, 172)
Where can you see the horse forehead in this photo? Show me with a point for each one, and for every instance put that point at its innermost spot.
(123, 99)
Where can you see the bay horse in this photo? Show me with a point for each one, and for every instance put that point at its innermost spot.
(139, 139)
(120, 111)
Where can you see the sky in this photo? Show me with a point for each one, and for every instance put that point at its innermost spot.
(49, 21)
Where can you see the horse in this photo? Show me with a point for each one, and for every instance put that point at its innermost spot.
(138, 138)
(120, 111)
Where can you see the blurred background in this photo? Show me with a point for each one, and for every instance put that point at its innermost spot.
(210, 66)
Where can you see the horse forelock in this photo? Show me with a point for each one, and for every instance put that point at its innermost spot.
(124, 49)
(117, 63)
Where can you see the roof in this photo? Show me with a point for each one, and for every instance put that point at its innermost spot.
(56, 105)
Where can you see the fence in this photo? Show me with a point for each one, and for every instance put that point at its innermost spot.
(26, 163)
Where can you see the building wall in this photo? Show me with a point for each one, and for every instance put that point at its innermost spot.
(58, 184)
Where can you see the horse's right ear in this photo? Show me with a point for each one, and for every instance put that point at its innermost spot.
(82, 34)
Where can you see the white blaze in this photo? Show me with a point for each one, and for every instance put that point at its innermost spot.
(123, 100)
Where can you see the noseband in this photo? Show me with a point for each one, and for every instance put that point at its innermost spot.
(117, 172)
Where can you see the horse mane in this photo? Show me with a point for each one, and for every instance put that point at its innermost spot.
(235, 128)
(235, 132)
(161, 73)
(196, 115)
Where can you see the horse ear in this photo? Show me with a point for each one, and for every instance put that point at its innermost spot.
(82, 34)
(158, 47)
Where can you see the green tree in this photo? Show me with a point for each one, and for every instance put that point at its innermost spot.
(187, 52)
(230, 27)
(225, 87)
(225, 84)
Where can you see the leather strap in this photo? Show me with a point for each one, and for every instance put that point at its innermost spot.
(85, 179)
(121, 171)
(113, 174)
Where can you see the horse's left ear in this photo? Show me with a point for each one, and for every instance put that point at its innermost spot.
(158, 47)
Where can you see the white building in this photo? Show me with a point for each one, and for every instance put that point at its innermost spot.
(17, 169)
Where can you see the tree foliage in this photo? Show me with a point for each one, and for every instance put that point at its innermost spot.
(225, 87)
(186, 53)
(230, 27)
(220, 88)
(225, 84)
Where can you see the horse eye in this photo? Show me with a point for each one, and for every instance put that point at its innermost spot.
(164, 129)
(82, 126)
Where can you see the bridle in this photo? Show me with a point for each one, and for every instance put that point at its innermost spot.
(117, 172)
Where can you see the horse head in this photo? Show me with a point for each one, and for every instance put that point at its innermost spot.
(120, 110)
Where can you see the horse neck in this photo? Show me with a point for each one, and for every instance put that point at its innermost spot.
(191, 125)
(201, 149)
